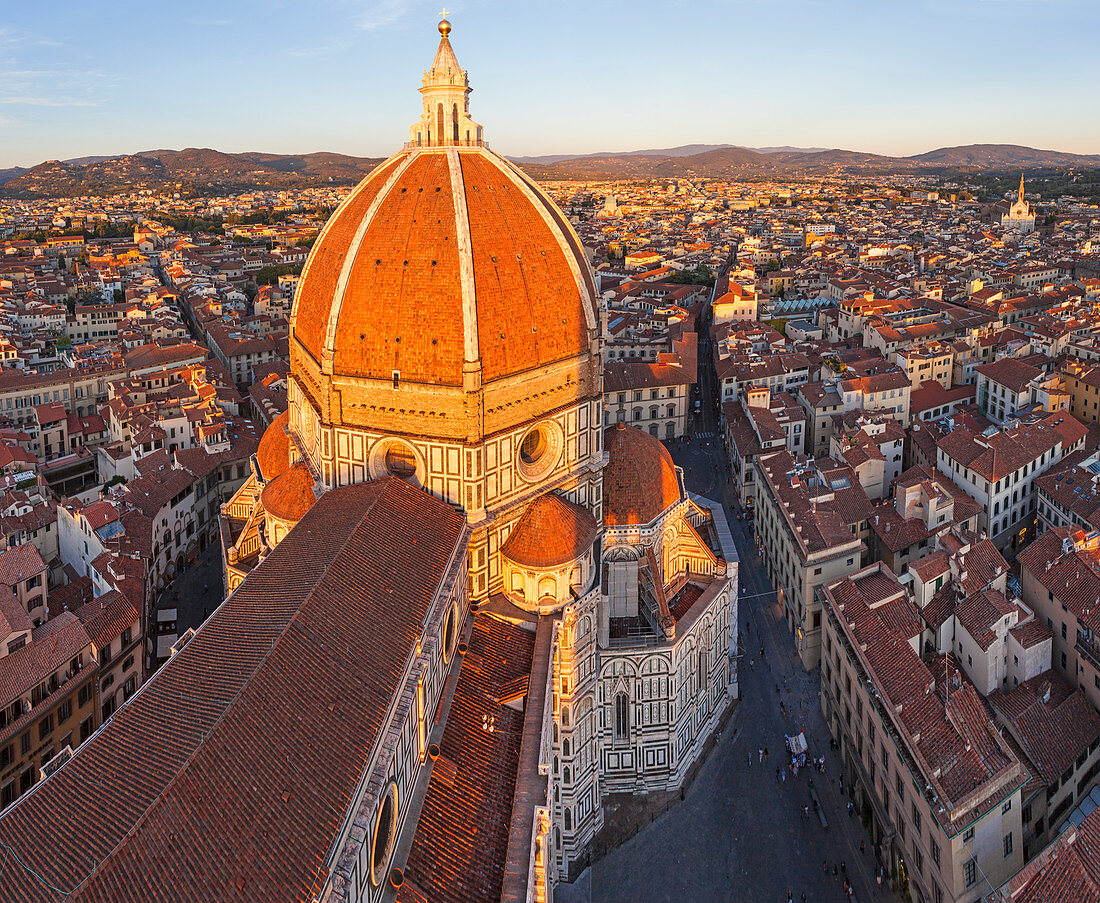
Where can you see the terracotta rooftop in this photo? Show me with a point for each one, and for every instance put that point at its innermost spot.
(461, 840)
(291, 494)
(273, 455)
(204, 752)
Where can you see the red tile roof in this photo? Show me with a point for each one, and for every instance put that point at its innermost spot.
(291, 494)
(106, 616)
(265, 718)
(461, 840)
(1054, 722)
(20, 563)
(273, 455)
(1067, 871)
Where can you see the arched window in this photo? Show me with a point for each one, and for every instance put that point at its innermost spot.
(548, 586)
(439, 123)
(567, 775)
(565, 747)
(454, 122)
(622, 717)
(653, 412)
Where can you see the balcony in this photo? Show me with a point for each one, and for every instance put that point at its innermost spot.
(1088, 648)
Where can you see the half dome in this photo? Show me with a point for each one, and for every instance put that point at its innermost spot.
(552, 532)
(273, 453)
(639, 482)
(290, 495)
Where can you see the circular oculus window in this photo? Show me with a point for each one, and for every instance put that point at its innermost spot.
(385, 829)
(539, 450)
(450, 633)
(401, 461)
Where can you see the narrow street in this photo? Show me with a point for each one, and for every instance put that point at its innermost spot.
(742, 833)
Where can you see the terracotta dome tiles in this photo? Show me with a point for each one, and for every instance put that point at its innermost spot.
(639, 482)
(273, 454)
(529, 308)
(552, 532)
(290, 495)
(314, 297)
(402, 309)
(402, 303)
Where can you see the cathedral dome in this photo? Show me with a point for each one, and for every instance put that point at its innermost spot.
(640, 481)
(441, 257)
(273, 454)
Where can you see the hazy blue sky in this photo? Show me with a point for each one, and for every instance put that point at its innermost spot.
(96, 77)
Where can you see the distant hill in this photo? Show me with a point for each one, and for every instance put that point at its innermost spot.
(207, 170)
(6, 174)
(740, 162)
(684, 150)
(197, 169)
(993, 155)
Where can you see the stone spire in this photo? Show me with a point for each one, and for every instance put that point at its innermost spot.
(1020, 196)
(445, 87)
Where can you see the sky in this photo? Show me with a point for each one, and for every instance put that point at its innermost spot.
(568, 76)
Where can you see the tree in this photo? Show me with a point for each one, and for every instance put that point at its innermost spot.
(698, 275)
(270, 275)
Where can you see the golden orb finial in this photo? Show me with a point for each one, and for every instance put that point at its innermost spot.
(444, 25)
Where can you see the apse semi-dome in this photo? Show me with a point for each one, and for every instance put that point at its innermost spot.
(640, 481)
(273, 453)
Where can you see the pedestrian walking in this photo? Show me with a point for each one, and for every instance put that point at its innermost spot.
(843, 867)
(861, 845)
(824, 867)
(760, 753)
(783, 775)
(834, 870)
(777, 774)
(765, 754)
(752, 664)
